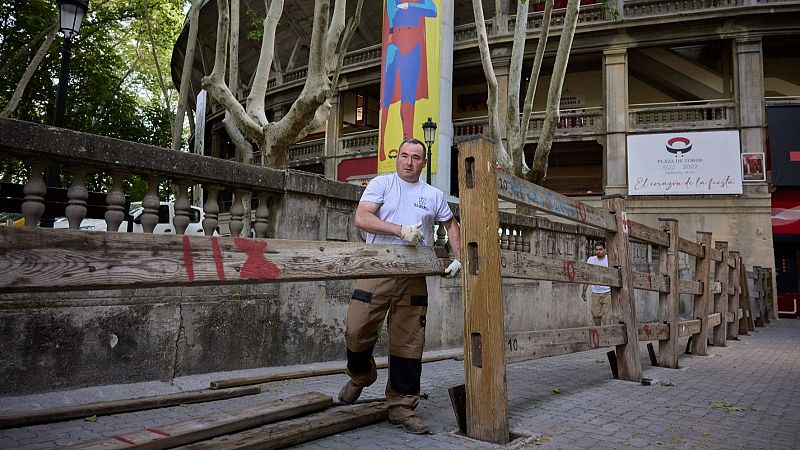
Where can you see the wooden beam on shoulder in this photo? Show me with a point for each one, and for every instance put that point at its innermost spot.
(57, 260)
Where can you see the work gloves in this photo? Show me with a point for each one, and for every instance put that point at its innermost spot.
(412, 233)
(452, 269)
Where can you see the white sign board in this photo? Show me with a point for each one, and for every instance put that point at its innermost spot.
(684, 163)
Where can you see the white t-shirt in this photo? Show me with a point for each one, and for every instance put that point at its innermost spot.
(597, 289)
(406, 203)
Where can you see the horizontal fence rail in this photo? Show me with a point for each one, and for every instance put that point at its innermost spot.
(47, 260)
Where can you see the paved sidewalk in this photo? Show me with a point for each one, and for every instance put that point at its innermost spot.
(759, 374)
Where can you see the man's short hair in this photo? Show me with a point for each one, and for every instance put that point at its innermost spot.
(415, 142)
(599, 244)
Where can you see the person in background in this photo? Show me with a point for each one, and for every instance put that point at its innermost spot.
(601, 295)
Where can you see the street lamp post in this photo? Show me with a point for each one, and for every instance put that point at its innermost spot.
(429, 130)
(71, 14)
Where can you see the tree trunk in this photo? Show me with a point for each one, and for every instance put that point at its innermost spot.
(488, 69)
(26, 77)
(186, 74)
(540, 159)
(518, 147)
(164, 92)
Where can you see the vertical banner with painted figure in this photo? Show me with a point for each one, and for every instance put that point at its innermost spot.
(410, 75)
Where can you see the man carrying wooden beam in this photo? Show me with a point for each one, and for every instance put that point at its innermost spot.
(401, 209)
(601, 295)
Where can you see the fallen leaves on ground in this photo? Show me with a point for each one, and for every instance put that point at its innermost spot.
(726, 406)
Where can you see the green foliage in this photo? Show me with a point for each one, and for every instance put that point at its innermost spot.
(113, 87)
(256, 30)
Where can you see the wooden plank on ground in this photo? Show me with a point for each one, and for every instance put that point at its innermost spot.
(56, 260)
(531, 267)
(380, 363)
(218, 424)
(482, 295)
(714, 320)
(120, 406)
(650, 282)
(702, 301)
(690, 287)
(689, 327)
(648, 234)
(528, 345)
(691, 248)
(525, 193)
(653, 331)
(302, 429)
(623, 300)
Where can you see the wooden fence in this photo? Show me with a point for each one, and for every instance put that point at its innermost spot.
(34, 259)
(722, 306)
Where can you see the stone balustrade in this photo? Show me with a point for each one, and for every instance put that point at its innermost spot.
(641, 8)
(39, 147)
(586, 121)
(693, 115)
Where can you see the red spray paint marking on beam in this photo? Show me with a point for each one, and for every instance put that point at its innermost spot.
(188, 262)
(124, 440)
(594, 338)
(218, 258)
(569, 270)
(157, 431)
(256, 266)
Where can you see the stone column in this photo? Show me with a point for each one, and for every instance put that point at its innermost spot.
(333, 129)
(501, 60)
(750, 92)
(500, 22)
(615, 110)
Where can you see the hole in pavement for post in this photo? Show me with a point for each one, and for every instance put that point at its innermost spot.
(458, 398)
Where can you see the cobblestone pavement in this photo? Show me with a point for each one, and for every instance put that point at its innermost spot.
(743, 396)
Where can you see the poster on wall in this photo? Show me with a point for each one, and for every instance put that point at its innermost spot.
(753, 167)
(684, 163)
(410, 75)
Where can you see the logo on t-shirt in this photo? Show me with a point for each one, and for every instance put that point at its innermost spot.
(421, 204)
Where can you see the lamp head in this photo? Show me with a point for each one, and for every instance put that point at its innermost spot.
(429, 130)
(71, 14)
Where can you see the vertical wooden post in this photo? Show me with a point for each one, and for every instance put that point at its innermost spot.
(721, 299)
(765, 297)
(743, 296)
(484, 330)
(702, 269)
(773, 305)
(733, 297)
(739, 300)
(758, 302)
(623, 305)
(669, 303)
